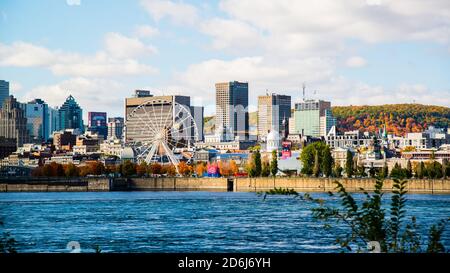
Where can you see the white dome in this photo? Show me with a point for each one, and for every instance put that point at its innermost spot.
(127, 153)
(273, 141)
(273, 136)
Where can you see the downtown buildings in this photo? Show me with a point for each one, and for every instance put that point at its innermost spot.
(313, 118)
(70, 115)
(13, 121)
(4, 91)
(232, 110)
(274, 112)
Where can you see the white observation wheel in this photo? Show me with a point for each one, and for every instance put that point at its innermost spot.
(161, 131)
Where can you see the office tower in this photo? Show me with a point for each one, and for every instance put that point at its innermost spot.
(115, 127)
(232, 109)
(313, 118)
(197, 113)
(4, 91)
(13, 122)
(37, 120)
(327, 121)
(97, 123)
(70, 115)
(272, 110)
(53, 120)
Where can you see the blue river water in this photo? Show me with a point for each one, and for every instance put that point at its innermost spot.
(182, 221)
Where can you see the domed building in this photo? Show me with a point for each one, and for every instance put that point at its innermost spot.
(127, 154)
(273, 141)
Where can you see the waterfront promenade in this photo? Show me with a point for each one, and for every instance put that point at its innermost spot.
(300, 184)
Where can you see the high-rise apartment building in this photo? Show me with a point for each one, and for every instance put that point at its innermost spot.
(97, 123)
(115, 127)
(272, 110)
(37, 114)
(70, 115)
(13, 122)
(4, 91)
(53, 120)
(232, 109)
(313, 118)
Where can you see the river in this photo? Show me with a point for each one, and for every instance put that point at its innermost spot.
(182, 221)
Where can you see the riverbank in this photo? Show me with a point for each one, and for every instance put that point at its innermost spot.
(300, 184)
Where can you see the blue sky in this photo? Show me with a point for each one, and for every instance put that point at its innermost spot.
(351, 52)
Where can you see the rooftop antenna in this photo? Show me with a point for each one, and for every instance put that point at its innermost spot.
(304, 87)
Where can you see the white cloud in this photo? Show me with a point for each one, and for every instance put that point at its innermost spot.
(73, 2)
(121, 46)
(119, 58)
(177, 12)
(146, 31)
(356, 61)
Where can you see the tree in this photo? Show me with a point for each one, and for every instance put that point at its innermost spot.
(316, 168)
(274, 163)
(265, 172)
(349, 164)
(128, 168)
(327, 161)
(337, 171)
(420, 170)
(308, 156)
(233, 167)
(257, 160)
(200, 169)
(141, 169)
(250, 167)
(71, 170)
(155, 168)
(184, 169)
(445, 167)
(409, 172)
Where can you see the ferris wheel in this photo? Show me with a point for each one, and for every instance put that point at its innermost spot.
(161, 131)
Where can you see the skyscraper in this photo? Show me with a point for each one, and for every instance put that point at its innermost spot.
(197, 113)
(97, 123)
(70, 115)
(4, 91)
(53, 120)
(232, 109)
(13, 122)
(37, 120)
(272, 110)
(115, 127)
(313, 118)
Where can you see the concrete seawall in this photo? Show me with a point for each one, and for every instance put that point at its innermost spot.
(38, 184)
(300, 184)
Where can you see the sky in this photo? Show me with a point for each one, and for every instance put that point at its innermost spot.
(350, 52)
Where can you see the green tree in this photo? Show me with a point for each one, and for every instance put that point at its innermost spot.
(316, 168)
(420, 170)
(337, 171)
(445, 167)
(349, 164)
(257, 162)
(274, 163)
(327, 161)
(265, 172)
(409, 172)
(308, 156)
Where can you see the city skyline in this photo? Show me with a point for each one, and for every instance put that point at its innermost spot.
(366, 52)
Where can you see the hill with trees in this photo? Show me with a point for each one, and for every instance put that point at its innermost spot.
(399, 118)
